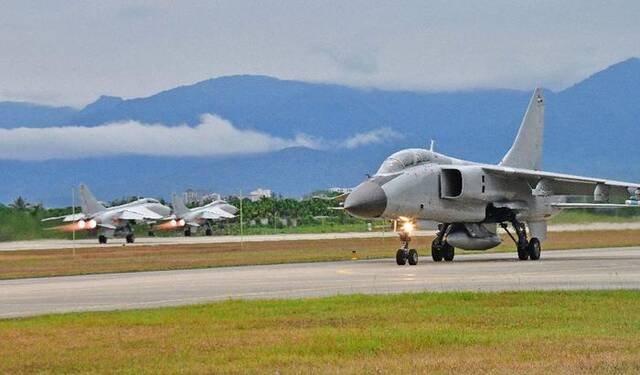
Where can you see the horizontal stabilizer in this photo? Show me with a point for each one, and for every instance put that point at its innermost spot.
(592, 205)
(67, 218)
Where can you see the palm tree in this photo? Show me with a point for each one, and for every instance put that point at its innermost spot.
(19, 204)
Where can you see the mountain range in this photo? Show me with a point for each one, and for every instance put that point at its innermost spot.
(591, 129)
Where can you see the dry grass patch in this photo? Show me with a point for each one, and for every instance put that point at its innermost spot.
(18, 264)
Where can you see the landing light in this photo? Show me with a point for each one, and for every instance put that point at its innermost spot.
(408, 227)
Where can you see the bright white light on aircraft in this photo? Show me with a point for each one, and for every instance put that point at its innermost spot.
(81, 224)
(408, 227)
(92, 224)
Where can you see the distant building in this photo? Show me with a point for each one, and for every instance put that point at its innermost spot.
(258, 194)
(340, 190)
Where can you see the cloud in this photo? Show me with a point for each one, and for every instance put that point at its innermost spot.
(214, 136)
(372, 137)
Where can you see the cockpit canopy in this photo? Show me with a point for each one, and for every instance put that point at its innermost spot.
(404, 159)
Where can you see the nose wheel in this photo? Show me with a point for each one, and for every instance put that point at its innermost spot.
(404, 254)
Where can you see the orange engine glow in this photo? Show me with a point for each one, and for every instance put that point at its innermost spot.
(172, 224)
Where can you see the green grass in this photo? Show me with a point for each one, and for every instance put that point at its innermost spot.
(521, 332)
(580, 216)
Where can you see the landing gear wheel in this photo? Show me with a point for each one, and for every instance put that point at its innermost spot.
(131, 238)
(448, 252)
(533, 249)
(187, 232)
(412, 258)
(208, 232)
(152, 233)
(401, 257)
(102, 240)
(436, 251)
(523, 253)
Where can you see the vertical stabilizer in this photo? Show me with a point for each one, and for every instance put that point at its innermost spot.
(88, 203)
(526, 151)
(179, 208)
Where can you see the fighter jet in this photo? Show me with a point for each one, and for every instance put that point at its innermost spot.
(469, 200)
(116, 221)
(199, 217)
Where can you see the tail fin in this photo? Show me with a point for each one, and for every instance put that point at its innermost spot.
(179, 208)
(88, 202)
(526, 151)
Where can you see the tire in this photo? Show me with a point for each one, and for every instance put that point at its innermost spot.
(187, 232)
(436, 251)
(102, 240)
(533, 249)
(448, 252)
(208, 232)
(401, 258)
(523, 253)
(131, 238)
(413, 257)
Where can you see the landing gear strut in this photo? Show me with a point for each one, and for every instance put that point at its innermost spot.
(440, 249)
(405, 255)
(527, 249)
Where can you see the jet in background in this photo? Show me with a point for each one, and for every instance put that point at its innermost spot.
(199, 217)
(109, 222)
(470, 200)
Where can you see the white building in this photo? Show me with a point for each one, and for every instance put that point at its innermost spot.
(340, 190)
(259, 193)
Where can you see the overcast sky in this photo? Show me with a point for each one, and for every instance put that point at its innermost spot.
(70, 52)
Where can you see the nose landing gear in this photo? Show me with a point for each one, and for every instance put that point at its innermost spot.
(405, 255)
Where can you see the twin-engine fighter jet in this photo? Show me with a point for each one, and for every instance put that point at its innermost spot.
(199, 217)
(470, 199)
(116, 221)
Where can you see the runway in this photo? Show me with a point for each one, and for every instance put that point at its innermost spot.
(172, 241)
(566, 270)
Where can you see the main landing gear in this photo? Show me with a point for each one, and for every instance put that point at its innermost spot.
(405, 255)
(527, 249)
(440, 249)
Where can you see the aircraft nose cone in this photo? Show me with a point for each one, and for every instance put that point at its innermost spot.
(367, 201)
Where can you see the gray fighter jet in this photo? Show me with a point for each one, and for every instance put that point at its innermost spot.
(116, 221)
(470, 200)
(199, 217)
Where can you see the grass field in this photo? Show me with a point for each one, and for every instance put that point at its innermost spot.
(516, 332)
(16, 264)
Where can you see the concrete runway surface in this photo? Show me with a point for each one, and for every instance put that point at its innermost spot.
(145, 241)
(572, 269)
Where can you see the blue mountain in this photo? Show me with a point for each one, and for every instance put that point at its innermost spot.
(591, 129)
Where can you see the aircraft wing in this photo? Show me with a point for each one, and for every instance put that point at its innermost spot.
(564, 184)
(67, 218)
(214, 213)
(138, 213)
